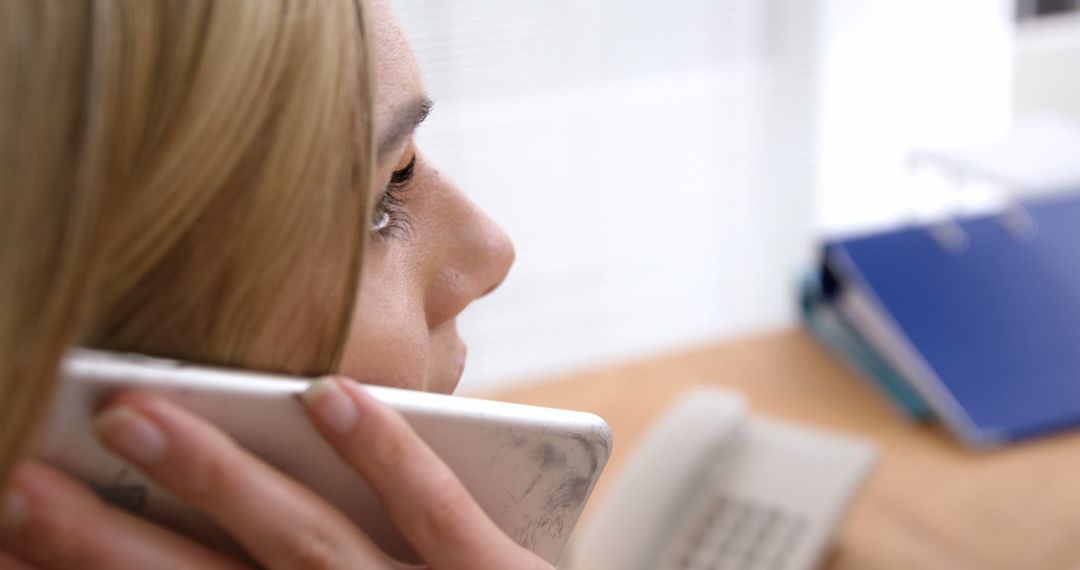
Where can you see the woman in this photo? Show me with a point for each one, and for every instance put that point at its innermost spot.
(200, 180)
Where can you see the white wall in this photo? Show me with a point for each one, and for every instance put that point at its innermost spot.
(904, 74)
(654, 161)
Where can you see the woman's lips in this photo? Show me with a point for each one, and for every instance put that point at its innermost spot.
(463, 355)
(450, 353)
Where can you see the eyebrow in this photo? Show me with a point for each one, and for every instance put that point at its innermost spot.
(404, 122)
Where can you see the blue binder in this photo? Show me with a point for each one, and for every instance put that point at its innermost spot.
(986, 329)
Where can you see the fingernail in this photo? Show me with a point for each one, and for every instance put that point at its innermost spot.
(14, 512)
(131, 435)
(331, 405)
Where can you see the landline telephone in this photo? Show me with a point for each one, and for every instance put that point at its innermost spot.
(710, 487)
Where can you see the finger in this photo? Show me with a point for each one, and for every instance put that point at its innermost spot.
(52, 521)
(422, 495)
(279, 522)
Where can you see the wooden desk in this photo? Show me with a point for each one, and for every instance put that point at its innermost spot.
(930, 503)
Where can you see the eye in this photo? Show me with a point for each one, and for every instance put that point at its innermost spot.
(380, 220)
(389, 215)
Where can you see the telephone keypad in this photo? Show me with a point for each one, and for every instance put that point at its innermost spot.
(737, 534)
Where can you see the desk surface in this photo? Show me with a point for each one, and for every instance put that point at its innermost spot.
(930, 503)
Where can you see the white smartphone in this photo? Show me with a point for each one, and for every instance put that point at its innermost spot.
(530, 468)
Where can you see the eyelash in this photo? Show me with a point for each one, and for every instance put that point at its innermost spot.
(390, 217)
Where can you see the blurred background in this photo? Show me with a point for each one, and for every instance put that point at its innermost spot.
(668, 169)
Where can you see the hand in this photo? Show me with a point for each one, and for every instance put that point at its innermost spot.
(54, 522)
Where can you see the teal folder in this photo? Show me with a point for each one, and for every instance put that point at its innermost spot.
(830, 328)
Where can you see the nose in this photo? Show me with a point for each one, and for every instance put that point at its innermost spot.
(501, 256)
(477, 256)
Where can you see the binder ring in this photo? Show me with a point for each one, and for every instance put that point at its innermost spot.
(950, 235)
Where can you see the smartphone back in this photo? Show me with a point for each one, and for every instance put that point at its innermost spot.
(531, 469)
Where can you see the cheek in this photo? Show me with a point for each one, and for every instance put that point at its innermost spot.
(388, 342)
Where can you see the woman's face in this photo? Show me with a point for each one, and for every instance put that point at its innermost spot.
(431, 251)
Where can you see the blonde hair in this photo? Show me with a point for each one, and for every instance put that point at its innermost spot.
(185, 178)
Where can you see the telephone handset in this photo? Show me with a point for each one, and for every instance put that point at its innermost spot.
(531, 469)
(710, 487)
